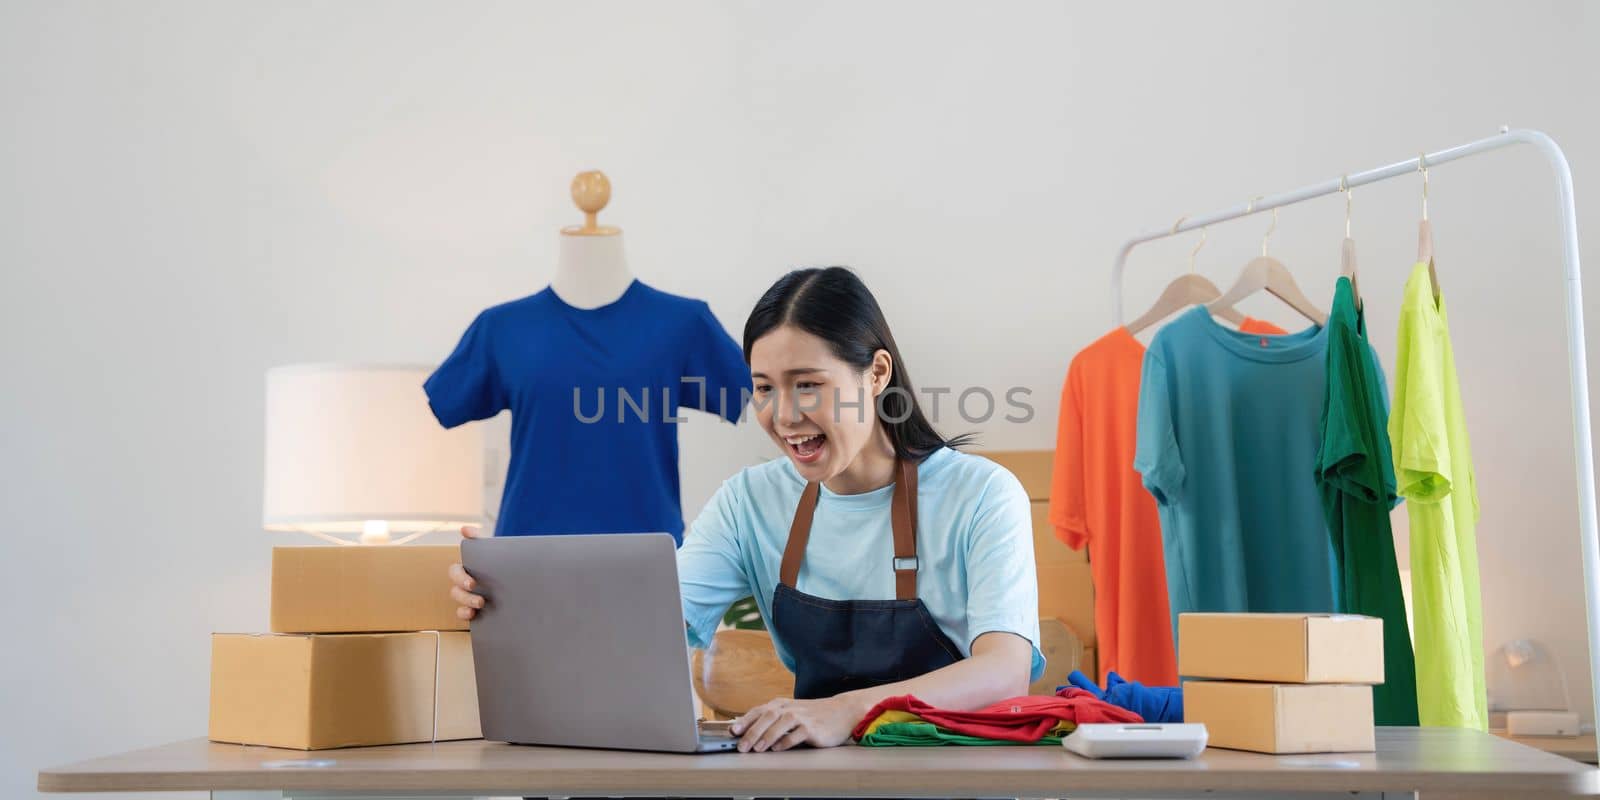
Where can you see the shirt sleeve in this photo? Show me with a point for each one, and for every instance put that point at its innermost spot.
(1417, 429)
(1156, 455)
(1068, 504)
(710, 572)
(1348, 459)
(1002, 584)
(467, 386)
(715, 377)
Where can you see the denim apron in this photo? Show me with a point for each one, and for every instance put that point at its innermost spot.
(842, 645)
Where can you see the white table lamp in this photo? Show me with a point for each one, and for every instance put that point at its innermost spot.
(352, 449)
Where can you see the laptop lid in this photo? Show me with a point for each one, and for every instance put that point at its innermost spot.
(581, 642)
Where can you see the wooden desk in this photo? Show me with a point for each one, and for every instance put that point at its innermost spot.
(1408, 760)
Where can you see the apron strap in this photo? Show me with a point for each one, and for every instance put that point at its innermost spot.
(799, 533)
(903, 520)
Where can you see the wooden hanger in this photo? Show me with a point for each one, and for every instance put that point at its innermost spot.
(1188, 290)
(1266, 272)
(1347, 254)
(1425, 230)
(1347, 268)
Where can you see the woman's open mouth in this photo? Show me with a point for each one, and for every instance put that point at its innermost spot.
(806, 449)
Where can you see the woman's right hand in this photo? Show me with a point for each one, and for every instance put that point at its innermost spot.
(462, 585)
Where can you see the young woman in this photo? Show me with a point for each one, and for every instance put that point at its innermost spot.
(884, 561)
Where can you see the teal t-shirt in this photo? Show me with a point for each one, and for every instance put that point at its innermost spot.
(1355, 473)
(974, 545)
(1227, 444)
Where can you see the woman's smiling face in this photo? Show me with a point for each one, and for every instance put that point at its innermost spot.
(818, 408)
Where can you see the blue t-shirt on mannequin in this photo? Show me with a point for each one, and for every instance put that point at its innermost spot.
(594, 395)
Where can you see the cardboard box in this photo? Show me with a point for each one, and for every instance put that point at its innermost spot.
(1281, 648)
(1047, 549)
(1066, 592)
(333, 589)
(1032, 468)
(1281, 718)
(319, 691)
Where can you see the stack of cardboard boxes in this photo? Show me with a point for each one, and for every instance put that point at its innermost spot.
(1282, 683)
(365, 649)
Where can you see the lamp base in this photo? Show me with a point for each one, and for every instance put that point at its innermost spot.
(1541, 723)
(375, 531)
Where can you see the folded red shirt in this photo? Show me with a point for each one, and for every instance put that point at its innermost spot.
(1020, 719)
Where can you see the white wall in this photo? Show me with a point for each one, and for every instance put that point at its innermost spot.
(191, 192)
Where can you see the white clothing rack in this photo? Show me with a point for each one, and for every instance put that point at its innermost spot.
(1577, 364)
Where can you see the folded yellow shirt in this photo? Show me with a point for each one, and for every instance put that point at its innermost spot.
(890, 716)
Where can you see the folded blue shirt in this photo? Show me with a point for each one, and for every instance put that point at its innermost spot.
(1154, 703)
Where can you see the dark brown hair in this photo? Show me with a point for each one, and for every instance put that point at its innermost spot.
(833, 304)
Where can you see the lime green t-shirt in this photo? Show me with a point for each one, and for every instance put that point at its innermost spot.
(1433, 471)
(1355, 472)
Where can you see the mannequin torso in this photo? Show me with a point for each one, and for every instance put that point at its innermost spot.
(591, 271)
(554, 356)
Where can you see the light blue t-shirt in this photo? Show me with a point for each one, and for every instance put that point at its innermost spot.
(1229, 427)
(974, 542)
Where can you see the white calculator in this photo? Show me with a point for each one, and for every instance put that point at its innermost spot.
(1145, 740)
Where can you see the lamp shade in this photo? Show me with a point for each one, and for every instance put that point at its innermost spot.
(353, 447)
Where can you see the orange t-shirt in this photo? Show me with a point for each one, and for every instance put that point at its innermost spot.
(1098, 500)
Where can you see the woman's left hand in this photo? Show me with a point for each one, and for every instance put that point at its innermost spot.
(783, 723)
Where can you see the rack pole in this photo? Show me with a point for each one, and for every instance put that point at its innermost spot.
(1577, 358)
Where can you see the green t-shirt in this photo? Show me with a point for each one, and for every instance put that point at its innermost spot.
(1433, 465)
(927, 734)
(1356, 477)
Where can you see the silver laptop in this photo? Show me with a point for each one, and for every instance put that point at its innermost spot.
(582, 644)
